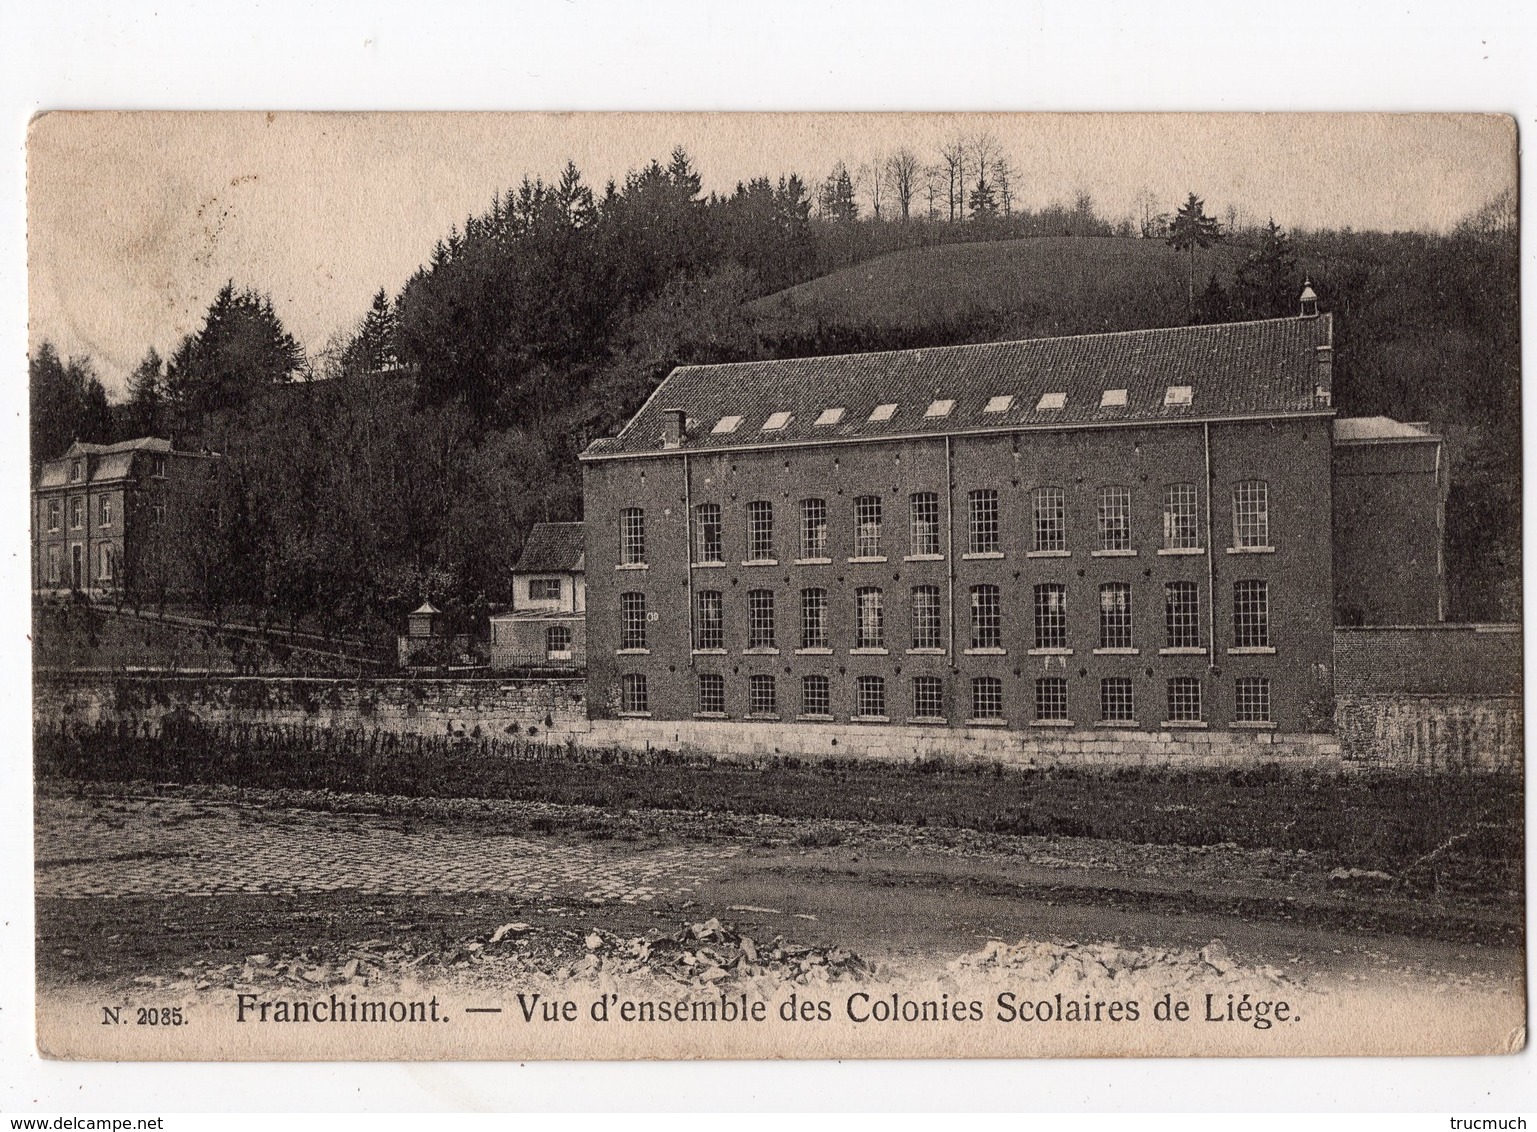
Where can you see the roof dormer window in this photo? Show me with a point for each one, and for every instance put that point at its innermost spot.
(75, 472)
(1178, 395)
(776, 422)
(999, 404)
(830, 416)
(939, 409)
(1051, 401)
(1112, 399)
(725, 425)
(883, 412)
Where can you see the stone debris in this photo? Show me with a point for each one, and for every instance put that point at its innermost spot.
(1060, 966)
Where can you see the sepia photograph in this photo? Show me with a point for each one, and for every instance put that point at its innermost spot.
(744, 585)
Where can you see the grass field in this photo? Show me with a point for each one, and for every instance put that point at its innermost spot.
(1036, 287)
(1455, 834)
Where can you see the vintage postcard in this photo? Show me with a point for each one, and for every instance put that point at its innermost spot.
(737, 586)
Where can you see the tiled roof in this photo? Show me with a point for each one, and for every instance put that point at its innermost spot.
(553, 548)
(107, 461)
(1231, 370)
(1358, 429)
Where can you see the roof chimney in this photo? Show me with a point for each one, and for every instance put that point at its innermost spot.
(674, 427)
(1309, 300)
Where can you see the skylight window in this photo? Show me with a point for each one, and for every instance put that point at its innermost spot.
(883, 412)
(1112, 399)
(999, 404)
(830, 417)
(776, 422)
(1051, 401)
(939, 408)
(1178, 395)
(726, 424)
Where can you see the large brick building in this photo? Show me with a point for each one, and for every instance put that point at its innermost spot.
(116, 518)
(1129, 532)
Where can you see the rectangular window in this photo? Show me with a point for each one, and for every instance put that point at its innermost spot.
(709, 546)
(544, 589)
(760, 619)
(986, 697)
(632, 536)
(925, 533)
(1114, 518)
(867, 526)
(1115, 615)
(1048, 508)
(761, 699)
(870, 696)
(53, 514)
(75, 471)
(982, 516)
(157, 513)
(1251, 614)
(712, 693)
(557, 642)
(869, 619)
(926, 618)
(1251, 513)
(635, 695)
(157, 467)
(760, 531)
(1115, 700)
(813, 619)
(53, 564)
(632, 620)
(106, 563)
(1182, 615)
(986, 620)
(1181, 529)
(1051, 698)
(1051, 616)
(76, 514)
(928, 697)
(816, 696)
(1253, 700)
(709, 620)
(813, 528)
(1184, 699)
(104, 511)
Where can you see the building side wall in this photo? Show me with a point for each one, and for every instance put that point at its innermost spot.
(1388, 516)
(1291, 456)
(519, 643)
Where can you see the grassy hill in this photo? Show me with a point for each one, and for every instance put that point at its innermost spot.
(1019, 288)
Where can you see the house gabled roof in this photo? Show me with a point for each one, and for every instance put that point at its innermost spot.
(1368, 430)
(1244, 369)
(553, 548)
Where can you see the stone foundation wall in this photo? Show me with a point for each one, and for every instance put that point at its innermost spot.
(1433, 734)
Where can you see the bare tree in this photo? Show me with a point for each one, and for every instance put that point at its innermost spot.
(872, 176)
(1003, 181)
(932, 176)
(901, 173)
(953, 155)
(1146, 202)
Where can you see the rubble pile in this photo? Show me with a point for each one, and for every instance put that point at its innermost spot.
(1061, 965)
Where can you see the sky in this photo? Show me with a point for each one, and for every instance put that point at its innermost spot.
(136, 219)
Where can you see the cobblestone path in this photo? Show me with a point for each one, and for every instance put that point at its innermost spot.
(164, 847)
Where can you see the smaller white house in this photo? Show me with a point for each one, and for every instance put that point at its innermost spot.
(547, 625)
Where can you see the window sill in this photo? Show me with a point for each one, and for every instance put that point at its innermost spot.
(633, 652)
(1252, 650)
(707, 565)
(1049, 652)
(927, 557)
(869, 719)
(761, 650)
(557, 656)
(1177, 551)
(814, 652)
(813, 562)
(1117, 652)
(709, 652)
(761, 562)
(1251, 550)
(926, 719)
(986, 652)
(814, 717)
(1183, 650)
(710, 715)
(1048, 554)
(1254, 724)
(868, 652)
(633, 566)
(1051, 723)
(987, 721)
(980, 555)
(635, 715)
(1118, 725)
(1112, 554)
(774, 715)
(926, 652)
(866, 558)
(1184, 725)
